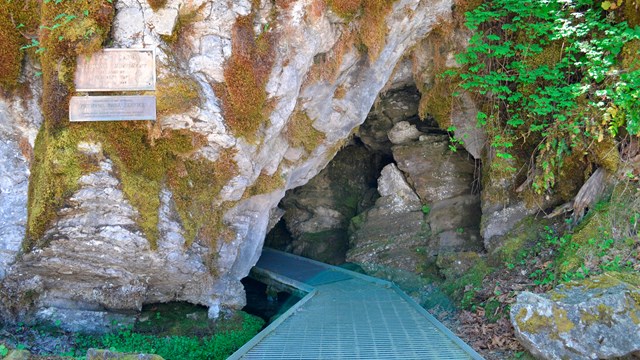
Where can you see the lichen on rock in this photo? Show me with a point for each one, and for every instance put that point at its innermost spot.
(595, 318)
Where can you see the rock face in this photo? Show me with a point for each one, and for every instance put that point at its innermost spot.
(317, 215)
(598, 318)
(427, 207)
(95, 256)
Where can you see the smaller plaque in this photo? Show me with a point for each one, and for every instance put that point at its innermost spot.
(112, 108)
(117, 70)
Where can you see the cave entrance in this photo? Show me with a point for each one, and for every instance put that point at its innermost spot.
(395, 196)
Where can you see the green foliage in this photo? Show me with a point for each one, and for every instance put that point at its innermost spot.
(550, 71)
(3, 350)
(426, 209)
(218, 346)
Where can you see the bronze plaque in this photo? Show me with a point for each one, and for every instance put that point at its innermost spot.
(112, 108)
(117, 70)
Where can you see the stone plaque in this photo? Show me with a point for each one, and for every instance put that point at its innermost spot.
(112, 108)
(117, 70)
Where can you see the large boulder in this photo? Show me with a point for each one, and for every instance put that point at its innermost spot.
(597, 318)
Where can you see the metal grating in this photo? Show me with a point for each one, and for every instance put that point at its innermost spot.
(352, 317)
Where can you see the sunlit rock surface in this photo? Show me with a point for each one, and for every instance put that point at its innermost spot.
(96, 257)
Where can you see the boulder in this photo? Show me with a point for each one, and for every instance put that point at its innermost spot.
(18, 355)
(597, 318)
(95, 354)
(433, 170)
(403, 132)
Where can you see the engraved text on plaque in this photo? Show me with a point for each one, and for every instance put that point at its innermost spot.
(109, 108)
(116, 70)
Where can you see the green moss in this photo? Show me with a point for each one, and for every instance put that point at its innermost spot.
(187, 16)
(265, 184)
(55, 171)
(462, 288)
(373, 25)
(69, 29)
(524, 233)
(243, 94)
(195, 184)
(19, 20)
(605, 154)
(371, 21)
(177, 94)
(301, 133)
(346, 9)
(632, 12)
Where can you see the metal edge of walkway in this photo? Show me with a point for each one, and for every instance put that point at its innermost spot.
(312, 292)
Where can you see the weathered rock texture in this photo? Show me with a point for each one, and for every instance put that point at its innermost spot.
(317, 215)
(598, 318)
(97, 258)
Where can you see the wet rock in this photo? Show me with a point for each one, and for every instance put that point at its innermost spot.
(403, 132)
(597, 318)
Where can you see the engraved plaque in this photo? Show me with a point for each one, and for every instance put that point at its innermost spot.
(117, 70)
(112, 108)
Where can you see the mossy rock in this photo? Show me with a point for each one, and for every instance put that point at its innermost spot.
(96, 354)
(599, 317)
(18, 355)
(19, 20)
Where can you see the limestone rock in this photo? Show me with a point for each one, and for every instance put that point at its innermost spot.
(393, 185)
(455, 224)
(394, 240)
(97, 257)
(464, 115)
(433, 170)
(96, 354)
(391, 108)
(403, 132)
(18, 355)
(597, 318)
(317, 215)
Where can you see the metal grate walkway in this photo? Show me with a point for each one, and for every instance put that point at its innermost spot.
(347, 315)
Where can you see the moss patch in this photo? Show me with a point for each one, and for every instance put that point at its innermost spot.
(19, 21)
(243, 94)
(177, 94)
(301, 133)
(55, 171)
(69, 29)
(632, 12)
(266, 183)
(196, 183)
(157, 4)
(462, 289)
(536, 323)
